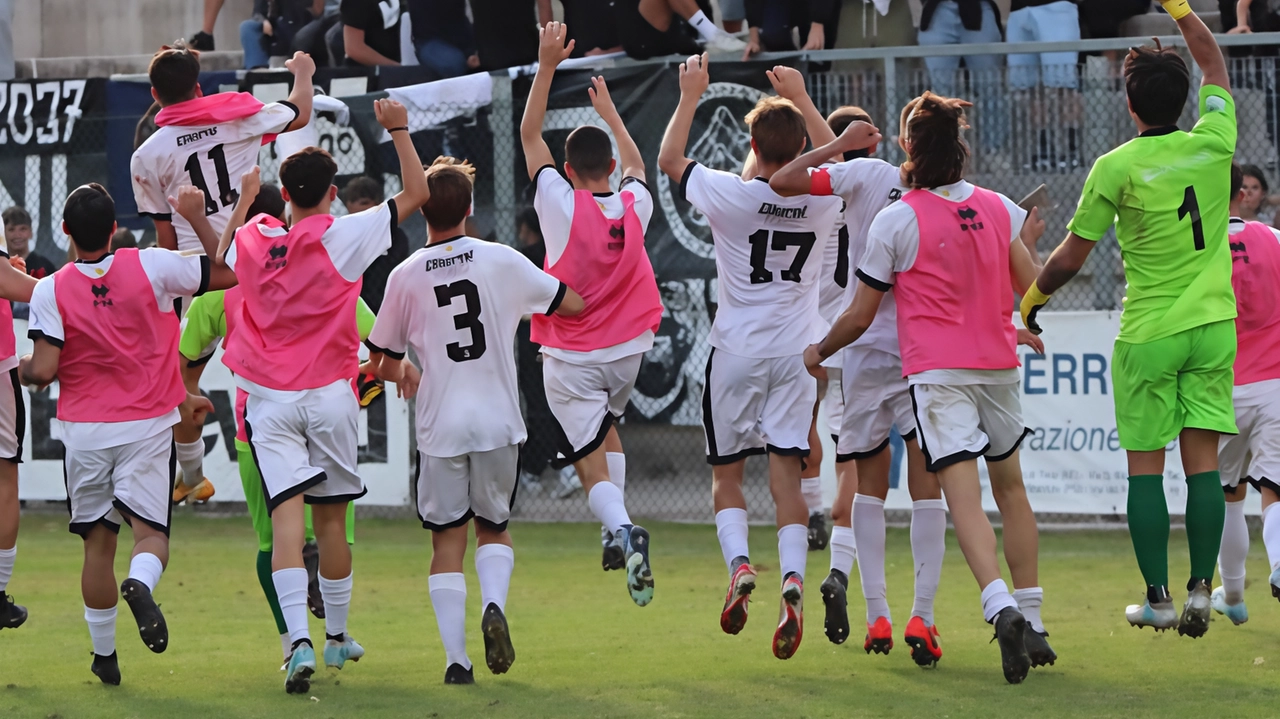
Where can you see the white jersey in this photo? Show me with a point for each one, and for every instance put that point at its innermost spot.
(457, 303)
(866, 185)
(211, 157)
(769, 252)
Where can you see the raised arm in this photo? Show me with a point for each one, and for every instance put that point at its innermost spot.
(551, 52)
(249, 183)
(15, 285)
(632, 160)
(1063, 264)
(303, 68)
(793, 179)
(1204, 48)
(788, 82)
(395, 119)
(190, 205)
(693, 82)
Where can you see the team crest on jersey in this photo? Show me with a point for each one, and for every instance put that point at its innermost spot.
(617, 236)
(276, 258)
(100, 298)
(969, 218)
(1239, 253)
(895, 194)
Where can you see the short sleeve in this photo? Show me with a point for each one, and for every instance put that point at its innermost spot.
(892, 244)
(388, 334)
(1099, 200)
(174, 274)
(706, 189)
(1017, 217)
(203, 326)
(355, 241)
(45, 321)
(639, 189)
(537, 292)
(147, 191)
(364, 318)
(270, 120)
(553, 201)
(1217, 121)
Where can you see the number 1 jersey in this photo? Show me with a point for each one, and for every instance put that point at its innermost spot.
(458, 303)
(211, 157)
(769, 256)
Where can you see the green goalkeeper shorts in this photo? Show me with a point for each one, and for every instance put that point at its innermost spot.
(1178, 382)
(257, 502)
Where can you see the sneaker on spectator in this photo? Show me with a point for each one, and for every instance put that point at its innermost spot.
(201, 41)
(725, 43)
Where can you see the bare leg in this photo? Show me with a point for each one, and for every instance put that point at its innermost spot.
(921, 483)
(784, 485)
(448, 550)
(330, 522)
(211, 10)
(658, 12)
(846, 487)
(9, 505)
(973, 531)
(98, 577)
(288, 534)
(726, 486)
(149, 540)
(1021, 536)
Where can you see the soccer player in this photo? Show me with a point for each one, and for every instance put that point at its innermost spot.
(1172, 362)
(1253, 456)
(958, 349)
(758, 398)
(294, 352)
(457, 303)
(105, 328)
(595, 243)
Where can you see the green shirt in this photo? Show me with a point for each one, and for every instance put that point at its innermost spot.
(206, 324)
(1167, 193)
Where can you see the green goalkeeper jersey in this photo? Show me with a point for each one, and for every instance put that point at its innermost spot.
(206, 324)
(1167, 193)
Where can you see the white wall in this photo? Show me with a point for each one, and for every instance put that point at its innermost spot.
(92, 28)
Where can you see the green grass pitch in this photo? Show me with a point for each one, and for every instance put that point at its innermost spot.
(583, 649)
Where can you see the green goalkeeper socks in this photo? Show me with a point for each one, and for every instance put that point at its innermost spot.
(1206, 512)
(1149, 527)
(269, 589)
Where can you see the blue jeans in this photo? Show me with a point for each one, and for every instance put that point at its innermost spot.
(445, 59)
(251, 40)
(945, 29)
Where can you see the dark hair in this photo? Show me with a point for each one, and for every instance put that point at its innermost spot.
(450, 181)
(529, 218)
(90, 216)
(589, 152)
(841, 119)
(308, 174)
(174, 73)
(146, 126)
(936, 151)
(1256, 173)
(1237, 180)
(267, 202)
(362, 188)
(777, 128)
(123, 239)
(16, 216)
(1156, 81)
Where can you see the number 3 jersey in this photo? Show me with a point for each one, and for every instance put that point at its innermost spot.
(458, 303)
(210, 155)
(769, 256)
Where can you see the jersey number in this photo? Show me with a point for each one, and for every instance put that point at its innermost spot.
(468, 320)
(842, 263)
(760, 245)
(226, 194)
(1192, 208)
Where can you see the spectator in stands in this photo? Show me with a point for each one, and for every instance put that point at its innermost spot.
(964, 22)
(771, 23)
(270, 32)
(123, 239)
(1256, 200)
(17, 236)
(732, 14)
(1048, 21)
(360, 194)
(1246, 16)
(1102, 18)
(203, 40)
(593, 27)
(540, 447)
(650, 28)
(310, 38)
(507, 31)
(370, 32)
(443, 39)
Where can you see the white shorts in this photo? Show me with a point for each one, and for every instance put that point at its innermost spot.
(752, 406)
(306, 447)
(586, 399)
(452, 490)
(133, 481)
(1254, 454)
(961, 422)
(834, 400)
(875, 401)
(13, 418)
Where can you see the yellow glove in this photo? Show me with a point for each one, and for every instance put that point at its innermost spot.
(1177, 9)
(1032, 302)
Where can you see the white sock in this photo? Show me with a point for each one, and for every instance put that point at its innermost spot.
(996, 598)
(928, 545)
(868, 530)
(1271, 533)
(146, 568)
(286, 645)
(191, 459)
(102, 630)
(706, 29)
(1029, 600)
(844, 550)
(617, 463)
(449, 600)
(494, 563)
(606, 503)
(731, 529)
(337, 603)
(6, 565)
(811, 488)
(1233, 552)
(793, 549)
(291, 590)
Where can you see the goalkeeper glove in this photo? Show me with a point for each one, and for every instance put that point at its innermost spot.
(1032, 302)
(1177, 9)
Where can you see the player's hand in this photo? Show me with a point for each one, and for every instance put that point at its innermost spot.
(600, 98)
(1027, 339)
(23, 363)
(301, 65)
(390, 113)
(787, 82)
(195, 409)
(1032, 302)
(859, 135)
(1032, 229)
(189, 203)
(694, 77)
(813, 362)
(753, 47)
(18, 264)
(552, 49)
(407, 387)
(250, 182)
(817, 37)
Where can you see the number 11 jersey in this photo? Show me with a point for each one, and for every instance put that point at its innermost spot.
(769, 252)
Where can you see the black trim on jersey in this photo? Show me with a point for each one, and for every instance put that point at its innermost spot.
(395, 214)
(93, 261)
(872, 282)
(38, 335)
(162, 216)
(1026, 431)
(632, 178)
(684, 181)
(437, 243)
(757, 177)
(1158, 131)
(200, 361)
(555, 304)
(336, 498)
(205, 268)
(382, 350)
(538, 174)
(602, 194)
(800, 452)
(296, 112)
(20, 416)
(852, 456)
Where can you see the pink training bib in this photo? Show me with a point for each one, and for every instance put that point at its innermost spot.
(1255, 277)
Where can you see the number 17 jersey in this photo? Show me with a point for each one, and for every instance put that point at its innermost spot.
(769, 252)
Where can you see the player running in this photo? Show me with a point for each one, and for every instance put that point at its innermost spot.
(595, 243)
(1253, 456)
(1172, 363)
(758, 398)
(105, 328)
(958, 348)
(294, 351)
(457, 303)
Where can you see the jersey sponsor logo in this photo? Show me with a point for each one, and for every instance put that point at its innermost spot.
(196, 136)
(1239, 253)
(437, 263)
(785, 213)
(969, 218)
(895, 194)
(100, 298)
(276, 257)
(619, 235)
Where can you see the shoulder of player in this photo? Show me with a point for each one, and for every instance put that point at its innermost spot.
(896, 215)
